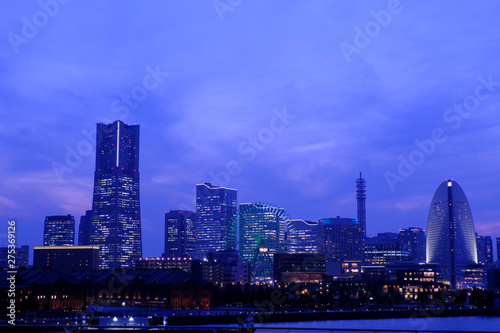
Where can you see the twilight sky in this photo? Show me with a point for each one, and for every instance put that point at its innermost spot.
(293, 98)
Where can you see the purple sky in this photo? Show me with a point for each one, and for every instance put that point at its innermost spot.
(358, 93)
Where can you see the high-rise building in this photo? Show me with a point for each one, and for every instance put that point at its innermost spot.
(451, 240)
(84, 228)
(215, 226)
(413, 240)
(59, 230)
(179, 233)
(484, 250)
(262, 234)
(116, 213)
(361, 206)
(21, 255)
(302, 236)
(343, 238)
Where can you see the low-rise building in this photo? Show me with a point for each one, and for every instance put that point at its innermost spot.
(299, 268)
(67, 258)
(178, 262)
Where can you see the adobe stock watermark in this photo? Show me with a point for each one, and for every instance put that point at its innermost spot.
(223, 6)
(12, 271)
(453, 117)
(121, 108)
(32, 25)
(248, 149)
(372, 29)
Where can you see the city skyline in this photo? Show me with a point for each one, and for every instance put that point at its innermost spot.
(280, 111)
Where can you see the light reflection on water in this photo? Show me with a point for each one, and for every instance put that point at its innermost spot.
(463, 324)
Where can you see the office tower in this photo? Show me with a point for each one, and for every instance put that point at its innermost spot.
(262, 234)
(116, 213)
(59, 230)
(302, 236)
(451, 241)
(386, 247)
(484, 250)
(215, 226)
(413, 240)
(84, 228)
(343, 238)
(179, 233)
(21, 255)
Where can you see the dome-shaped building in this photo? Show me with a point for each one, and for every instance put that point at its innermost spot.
(451, 240)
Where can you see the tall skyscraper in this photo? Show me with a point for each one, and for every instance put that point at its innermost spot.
(484, 250)
(215, 226)
(179, 233)
(302, 236)
(84, 228)
(361, 207)
(343, 238)
(451, 240)
(116, 213)
(262, 234)
(59, 230)
(413, 240)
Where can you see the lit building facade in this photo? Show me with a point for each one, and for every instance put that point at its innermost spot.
(59, 230)
(383, 250)
(302, 236)
(179, 233)
(183, 263)
(413, 240)
(343, 241)
(451, 240)
(262, 234)
(215, 226)
(484, 250)
(116, 214)
(299, 268)
(21, 255)
(343, 238)
(374, 273)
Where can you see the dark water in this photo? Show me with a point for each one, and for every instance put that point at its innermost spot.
(453, 324)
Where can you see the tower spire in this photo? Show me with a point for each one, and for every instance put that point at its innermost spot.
(361, 200)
